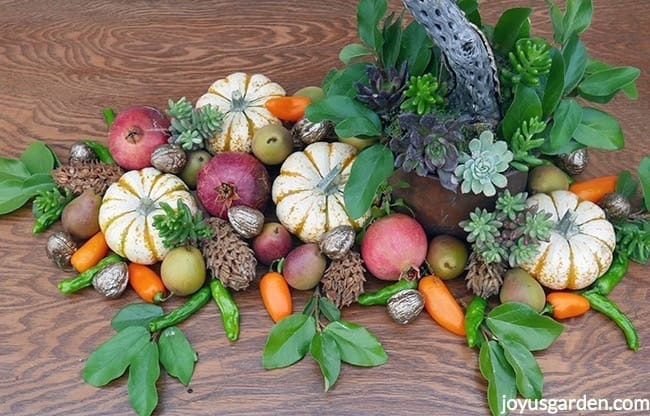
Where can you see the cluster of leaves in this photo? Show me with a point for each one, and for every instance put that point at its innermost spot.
(48, 206)
(512, 332)
(423, 94)
(329, 343)
(134, 348)
(190, 126)
(512, 232)
(178, 227)
(26, 177)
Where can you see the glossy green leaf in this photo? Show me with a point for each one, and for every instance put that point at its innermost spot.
(499, 375)
(369, 14)
(416, 49)
(600, 130)
(326, 353)
(551, 87)
(176, 354)
(356, 344)
(392, 36)
(513, 24)
(575, 58)
(528, 375)
(644, 178)
(342, 82)
(328, 309)
(354, 51)
(288, 341)
(577, 17)
(13, 169)
(626, 185)
(344, 110)
(556, 21)
(566, 119)
(110, 360)
(471, 10)
(136, 314)
(631, 91)
(608, 82)
(519, 322)
(358, 126)
(38, 158)
(370, 169)
(143, 375)
(11, 195)
(524, 107)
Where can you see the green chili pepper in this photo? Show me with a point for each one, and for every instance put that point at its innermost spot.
(228, 308)
(109, 116)
(474, 315)
(102, 152)
(380, 297)
(617, 270)
(85, 279)
(608, 308)
(178, 315)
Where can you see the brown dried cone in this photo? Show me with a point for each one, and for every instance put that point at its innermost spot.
(78, 176)
(483, 279)
(343, 280)
(227, 256)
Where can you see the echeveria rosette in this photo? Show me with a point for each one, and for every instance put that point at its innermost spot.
(383, 92)
(480, 171)
(509, 205)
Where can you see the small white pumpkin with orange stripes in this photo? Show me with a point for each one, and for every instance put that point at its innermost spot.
(308, 192)
(129, 207)
(581, 245)
(241, 98)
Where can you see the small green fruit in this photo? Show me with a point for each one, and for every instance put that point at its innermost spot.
(195, 161)
(447, 256)
(519, 286)
(272, 144)
(183, 270)
(311, 92)
(547, 178)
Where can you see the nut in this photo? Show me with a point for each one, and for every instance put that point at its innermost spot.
(80, 152)
(616, 206)
(111, 281)
(405, 305)
(59, 248)
(247, 221)
(168, 158)
(575, 162)
(305, 132)
(336, 242)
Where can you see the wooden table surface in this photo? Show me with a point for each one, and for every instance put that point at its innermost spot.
(61, 63)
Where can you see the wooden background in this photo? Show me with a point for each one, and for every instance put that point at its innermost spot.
(62, 62)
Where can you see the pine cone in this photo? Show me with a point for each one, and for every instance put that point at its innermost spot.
(483, 279)
(227, 256)
(78, 176)
(343, 280)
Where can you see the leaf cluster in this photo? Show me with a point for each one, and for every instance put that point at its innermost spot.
(47, 207)
(190, 126)
(24, 178)
(134, 349)
(320, 331)
(512, 332)
(178, 227)
(424, 93)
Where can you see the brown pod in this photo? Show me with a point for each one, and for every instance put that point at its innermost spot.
(247, 222)
(405, 305)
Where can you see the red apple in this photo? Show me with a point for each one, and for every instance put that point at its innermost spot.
(135, 133)
(273, 243)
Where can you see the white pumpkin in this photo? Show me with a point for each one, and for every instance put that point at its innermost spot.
(129, 206)
(581, 245)
(308, 192)
(240, 97)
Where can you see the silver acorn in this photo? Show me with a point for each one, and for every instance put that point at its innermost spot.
(59, 248)
(247, 222)
(305, 132)
(111, 281)
(336, 242)
(168, 158)
(616, 206)
(405, 305)
(80, 152)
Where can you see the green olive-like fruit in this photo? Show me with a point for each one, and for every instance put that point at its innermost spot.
(547, 178)
(183, 270)
(311, 92)
(447, 256)
(195, 161)
(520, 286)
(272, 144)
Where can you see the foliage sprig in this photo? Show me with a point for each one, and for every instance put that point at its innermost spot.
(190, 126)
(424, 93)
(179, 226)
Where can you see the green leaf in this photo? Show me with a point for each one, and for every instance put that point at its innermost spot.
(529, 377)
(288, 341)
(176, 354)
(600, 130)
(357, 126)
(354, 51)
(415, 49)
(38, 158)
(11, 195)
(369, 14)
(499, 375)
(343, 82)
(392, 35)
(137, 314)
(566, 119)
(356, 344)
(519, 322)
(370, 169)
(552, 86)
(513, 24)
(342, 109)
(644, 178)
(575, 58)
(525, 106)
(12, 169)
(631, 91)
(143, 375)
(326, 353)
(110, 360)
(556, 21)
(327, 308)
(577, 17)
(626, 185)
(608, 82)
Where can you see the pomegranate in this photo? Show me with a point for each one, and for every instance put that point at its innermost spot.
(394, 247)
(233, 178)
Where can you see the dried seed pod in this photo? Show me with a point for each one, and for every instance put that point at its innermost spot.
(336, 242)
(575, 162)
(59, 248)
(405, 305)
(80, 152)
(111, 281)
(305, 132)
(168, 158)
(247, 222)
(616, 206)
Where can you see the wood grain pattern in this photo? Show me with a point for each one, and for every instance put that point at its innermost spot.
(62, 62)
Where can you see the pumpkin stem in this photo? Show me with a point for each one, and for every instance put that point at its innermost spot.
(567, 226)
(238, 102)
(146, 205)
(330, 183)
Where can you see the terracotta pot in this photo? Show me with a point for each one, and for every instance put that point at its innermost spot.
(440, 210)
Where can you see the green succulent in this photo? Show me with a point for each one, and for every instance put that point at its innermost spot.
(480, 170)
(530, 60)
(179, 226)
(189, 126)
(523, 144)
(424, 93)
